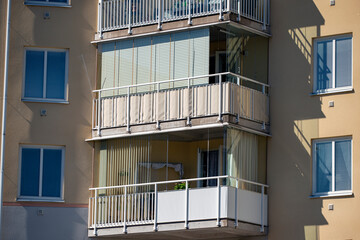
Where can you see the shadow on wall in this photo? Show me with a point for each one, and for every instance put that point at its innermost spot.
(294, 121)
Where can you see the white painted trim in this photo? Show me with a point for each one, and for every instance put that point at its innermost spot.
(40, 198)
(66, 80)
(333, 39)
(314, 159)
(332, 91)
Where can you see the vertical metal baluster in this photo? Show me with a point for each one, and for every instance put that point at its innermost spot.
(262, 209)
(186, 205)
(125, 209)
(236, 202)
(156, 208)
(218, 203)
(95, 212)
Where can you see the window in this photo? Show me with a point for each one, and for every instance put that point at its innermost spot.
(61, 3)
(45, 75)
(41, 173)
(332, 166)
(333, 64)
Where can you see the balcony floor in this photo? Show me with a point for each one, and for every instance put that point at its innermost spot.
(197, 230)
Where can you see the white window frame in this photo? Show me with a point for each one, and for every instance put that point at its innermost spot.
(333, 89)
(44, 99)
(332, 192)
(40, 198)
(47, 3)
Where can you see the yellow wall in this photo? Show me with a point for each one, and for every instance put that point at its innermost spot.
(298, 118)
(65, 124)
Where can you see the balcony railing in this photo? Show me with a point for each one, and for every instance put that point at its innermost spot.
(122, 206)
(180, 99)
(120, 14)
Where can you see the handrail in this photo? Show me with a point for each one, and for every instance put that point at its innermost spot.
(181, 180)
(183, 79)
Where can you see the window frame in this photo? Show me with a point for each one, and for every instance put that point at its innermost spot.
(333, 192)
(333, 88)
(66, 85)
(48, 3)
(40, 198)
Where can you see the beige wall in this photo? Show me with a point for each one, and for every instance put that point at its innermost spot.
(298, 118)
(65, 124)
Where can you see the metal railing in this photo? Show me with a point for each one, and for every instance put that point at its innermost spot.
(137, 208)
(121, 14)
(183, 98)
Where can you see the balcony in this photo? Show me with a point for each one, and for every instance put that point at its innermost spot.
(180, 104)
(128, 14)
(226, 205)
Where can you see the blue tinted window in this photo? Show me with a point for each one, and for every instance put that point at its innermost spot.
(30, 172)
(55, 79)
(51, 181)
(34, 74)
(49, 83)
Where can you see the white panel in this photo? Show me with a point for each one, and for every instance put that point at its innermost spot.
(161, 59)
(124, 63)
(142, 62)
(171, 206)
(180, 57)
(199, 54)
(107, 66)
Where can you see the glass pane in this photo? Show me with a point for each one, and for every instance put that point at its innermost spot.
(34, 74)
(55, 79)
(51, 181)
(59, 1)
(324, 65)
(343, 63)
(30, 172)
(323, 167)
(343, 165)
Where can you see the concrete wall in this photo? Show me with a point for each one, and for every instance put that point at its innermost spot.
(35, 223)
(298, 118)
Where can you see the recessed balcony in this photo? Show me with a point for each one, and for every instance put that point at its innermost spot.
(223, 206)
(179, 104)
(115, 15)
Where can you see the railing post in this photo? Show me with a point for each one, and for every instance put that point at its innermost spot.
(99, 113)
(262, 209)
(228, 6)
(189, 9)
(220, 11)
(125, 210)
(236, 203)
(159, 14)
(128, 111)
(156, 208)
(239, 10)
(263, 89)
(220, 98)
(218, 223)
(238, 81)
(157, 104)
(95, 212)
(253, 104)
(264, 14)
(100, 18)
(188, 122)
(186, 205)
(130, 15)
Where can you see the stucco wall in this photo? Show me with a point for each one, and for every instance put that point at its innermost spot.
(65, 124)
(298, 118)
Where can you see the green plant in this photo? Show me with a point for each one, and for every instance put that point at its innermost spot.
(179, 186)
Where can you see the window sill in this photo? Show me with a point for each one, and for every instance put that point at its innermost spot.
(332, 195)
(44, 101)
(34, 199)
(44, 4)
(332, 91)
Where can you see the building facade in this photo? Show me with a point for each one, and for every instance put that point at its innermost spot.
(197, 119)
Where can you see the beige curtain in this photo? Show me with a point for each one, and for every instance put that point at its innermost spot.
(123, 163)
(242, 155)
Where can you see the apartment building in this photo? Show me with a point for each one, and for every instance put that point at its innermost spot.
(181, 119)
